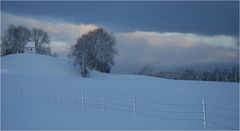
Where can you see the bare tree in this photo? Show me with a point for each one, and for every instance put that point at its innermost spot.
(146, 70)
(42, 41)
(82, 54)
(24, 37)
(235, 73)
(14, 39)
(104, 49)
(94, 50)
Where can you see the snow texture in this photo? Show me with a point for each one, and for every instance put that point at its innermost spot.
(42, 92)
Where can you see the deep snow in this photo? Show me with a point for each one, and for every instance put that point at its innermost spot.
(42, 92)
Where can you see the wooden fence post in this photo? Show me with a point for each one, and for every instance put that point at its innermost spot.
(83, 103)
(19, 91)
(41, 97)
(53, 99)
(74, 99)
(10, 85)
(103, 103)
(134, 105)
(59, 99)
(204, 113)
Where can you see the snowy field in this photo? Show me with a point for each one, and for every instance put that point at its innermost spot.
(42, 92)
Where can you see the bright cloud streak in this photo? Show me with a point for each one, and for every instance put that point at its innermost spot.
(181, 39)
(139, 48)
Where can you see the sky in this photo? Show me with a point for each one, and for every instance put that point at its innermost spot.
(160, 34)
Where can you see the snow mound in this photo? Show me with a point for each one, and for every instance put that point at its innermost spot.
(37, 64)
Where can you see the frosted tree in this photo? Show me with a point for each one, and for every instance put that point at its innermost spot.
(24, 36)
(146, 70)
(6, 47)
(94, 50)
(42, 41)
(235, 73)
(104, 49)
(82, 54)
(14, 39)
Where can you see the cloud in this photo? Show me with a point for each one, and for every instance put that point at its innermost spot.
(140, 48)
(60, 47)
(186, 40)
(59, 31)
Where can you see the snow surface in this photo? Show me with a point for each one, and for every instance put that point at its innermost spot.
(37, 92)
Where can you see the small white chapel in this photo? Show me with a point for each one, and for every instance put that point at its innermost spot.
(30, 47)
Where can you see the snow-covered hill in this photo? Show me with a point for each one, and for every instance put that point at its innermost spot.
(42, 92)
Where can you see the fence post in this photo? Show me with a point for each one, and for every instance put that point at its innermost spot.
(134, 105)
(59, 99)
(204, 113)
(53, 99)
(10, 85)
(74, 99)
(103, 103)
(20, 91)
(41, 97)
(83, 104)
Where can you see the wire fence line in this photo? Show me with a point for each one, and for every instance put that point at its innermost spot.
(164, 111)
(222, 117)
(221, 125)
(170, 104)
(133, 104)
(169, 118)
(223, 108)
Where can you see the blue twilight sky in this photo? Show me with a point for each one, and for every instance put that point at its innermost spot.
(161, 34)
(201, 17)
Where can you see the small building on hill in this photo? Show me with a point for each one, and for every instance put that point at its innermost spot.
(30, 47)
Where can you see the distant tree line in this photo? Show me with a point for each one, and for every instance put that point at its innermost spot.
(222, 75)
(15, 38)
(94, 50)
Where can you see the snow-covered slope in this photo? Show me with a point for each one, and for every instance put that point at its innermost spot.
(42, 92)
